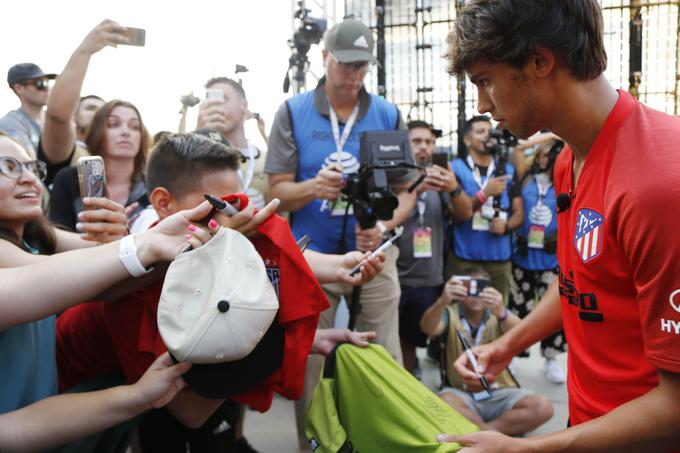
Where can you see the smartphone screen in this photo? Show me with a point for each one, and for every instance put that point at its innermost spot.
(440, 160)
(91, 176)
(137, 36)
(214, 93)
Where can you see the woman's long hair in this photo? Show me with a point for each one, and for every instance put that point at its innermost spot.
(96, 135)
(38, 233)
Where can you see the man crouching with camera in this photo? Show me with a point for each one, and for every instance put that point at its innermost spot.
(468, 313)
(314, 141)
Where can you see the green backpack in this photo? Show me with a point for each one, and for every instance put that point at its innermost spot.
(366, 402)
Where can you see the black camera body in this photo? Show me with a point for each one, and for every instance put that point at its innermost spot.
(384, 157)
(310, 32)
(499, 144)
(500, 141)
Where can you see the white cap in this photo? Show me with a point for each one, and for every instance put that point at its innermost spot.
(217, 302)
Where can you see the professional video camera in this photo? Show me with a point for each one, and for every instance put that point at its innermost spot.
(385, 156)
(499, 144)
(309, 32)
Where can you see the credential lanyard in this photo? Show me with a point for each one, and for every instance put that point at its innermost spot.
(477, 176)
(480, 330)
(420, 205)
(542, 189)
(341, 140)
(247, 176)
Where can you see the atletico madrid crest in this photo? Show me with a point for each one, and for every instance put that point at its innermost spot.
(588, 234)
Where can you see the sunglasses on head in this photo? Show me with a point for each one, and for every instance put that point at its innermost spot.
(39, 84)
(12, 168)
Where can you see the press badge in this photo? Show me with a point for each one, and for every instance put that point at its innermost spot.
(479, 223)
(536, 238)
(422, 242)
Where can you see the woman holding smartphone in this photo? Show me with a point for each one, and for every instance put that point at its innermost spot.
(118, 135)
(35, 286)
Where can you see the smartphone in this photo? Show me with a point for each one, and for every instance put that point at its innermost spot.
(474, 285)
(440, 160)
(214, 93)
(91, 176)
(137, 36)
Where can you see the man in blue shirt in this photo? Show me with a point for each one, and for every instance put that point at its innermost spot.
(314, 141)
(481, 238)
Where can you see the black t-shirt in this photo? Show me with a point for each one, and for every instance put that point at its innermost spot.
(52, 168)
(64, 198)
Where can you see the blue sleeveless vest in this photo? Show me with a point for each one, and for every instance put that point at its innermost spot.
(314, 138)
(479, 245)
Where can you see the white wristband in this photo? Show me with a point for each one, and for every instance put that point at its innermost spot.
(381, 226)
(127, 254)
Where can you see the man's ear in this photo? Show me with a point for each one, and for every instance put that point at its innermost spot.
(163, 202)
(542, 62)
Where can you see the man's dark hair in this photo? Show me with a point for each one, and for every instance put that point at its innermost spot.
(475, 271)
(415, 124)
(90, 96)
(237, 86)
(476, 119)
(508, 31)
(179, 161)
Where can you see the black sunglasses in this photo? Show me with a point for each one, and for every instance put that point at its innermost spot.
(12, 168)
(39, 84)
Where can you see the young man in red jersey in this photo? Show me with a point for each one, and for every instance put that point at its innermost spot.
(539, 64)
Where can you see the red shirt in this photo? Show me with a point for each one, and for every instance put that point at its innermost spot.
(618, 250)
(98, 338)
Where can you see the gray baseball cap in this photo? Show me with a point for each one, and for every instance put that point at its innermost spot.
(350, 41)
(26, 71)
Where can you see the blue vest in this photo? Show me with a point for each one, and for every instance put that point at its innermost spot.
(479, 245)
(314, 139)
(536, 259)
(29, 367)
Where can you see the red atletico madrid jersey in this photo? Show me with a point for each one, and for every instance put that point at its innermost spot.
(619, 257)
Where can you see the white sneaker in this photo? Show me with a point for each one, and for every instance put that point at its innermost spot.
(554, 372)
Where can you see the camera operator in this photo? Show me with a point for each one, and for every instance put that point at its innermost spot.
(481, 238)
(421, 247)
(313, 141)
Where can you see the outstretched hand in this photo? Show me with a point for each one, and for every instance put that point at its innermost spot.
(483, 442)
(325, 340)
(160, 383)
(107, 33)
(369, 269)
(247, 220)
(174, 234)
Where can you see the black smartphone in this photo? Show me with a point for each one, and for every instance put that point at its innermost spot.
(137, 36)
(441, 160)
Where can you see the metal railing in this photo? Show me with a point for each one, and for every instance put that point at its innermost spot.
(641, 38)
